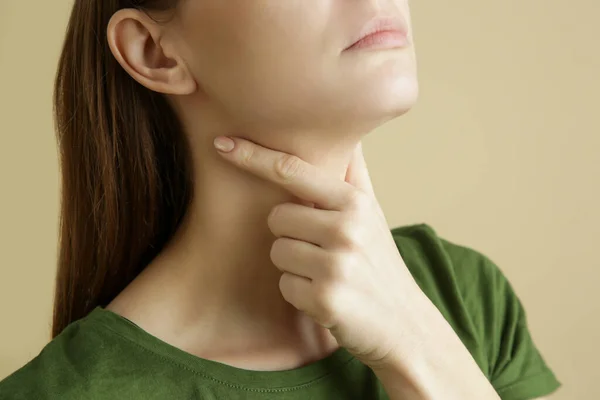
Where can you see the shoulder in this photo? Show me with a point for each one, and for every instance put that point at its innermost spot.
(58, 371)
(466, 286)
(479, 302)
(440, 265)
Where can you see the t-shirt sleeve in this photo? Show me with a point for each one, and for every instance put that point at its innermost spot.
(477, 299)
(517, 369)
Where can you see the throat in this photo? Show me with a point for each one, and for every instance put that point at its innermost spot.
(277, 355)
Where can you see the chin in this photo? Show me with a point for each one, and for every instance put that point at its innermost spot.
(387, 100)
(402, 96)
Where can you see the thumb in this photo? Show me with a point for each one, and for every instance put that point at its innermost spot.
(357, 174)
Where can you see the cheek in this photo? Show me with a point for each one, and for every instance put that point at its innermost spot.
(269, 68)
(261, 66)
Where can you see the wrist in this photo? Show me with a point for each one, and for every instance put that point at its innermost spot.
(435, 373)
(432, 363)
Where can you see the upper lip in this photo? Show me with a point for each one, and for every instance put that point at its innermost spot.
(381, 23)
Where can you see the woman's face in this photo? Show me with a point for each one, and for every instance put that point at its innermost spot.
(282, 62)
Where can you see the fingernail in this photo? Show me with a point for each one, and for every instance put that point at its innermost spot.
(224, 144)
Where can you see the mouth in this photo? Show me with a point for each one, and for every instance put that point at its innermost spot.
(381, 32)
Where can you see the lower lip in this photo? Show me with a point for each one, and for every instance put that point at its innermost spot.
(381, 40)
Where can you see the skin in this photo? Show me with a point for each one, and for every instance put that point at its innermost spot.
(341, 267)
(227, 287)
(244, 68)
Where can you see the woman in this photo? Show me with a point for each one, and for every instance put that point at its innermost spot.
(263, 269)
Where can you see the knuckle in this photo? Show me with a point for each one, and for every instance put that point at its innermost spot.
(246, 155)
(274, 252)
(341, 267)
(286, 287)
(347, 232)
(359, 200)
(273, 215)
(277, 250)
(277, 220)
(328, 299)
(288, 167)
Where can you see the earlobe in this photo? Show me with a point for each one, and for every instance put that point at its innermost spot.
(136, 43)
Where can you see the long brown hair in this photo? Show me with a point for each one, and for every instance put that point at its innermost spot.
(125, 166)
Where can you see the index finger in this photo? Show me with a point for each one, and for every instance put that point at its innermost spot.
(291, 173)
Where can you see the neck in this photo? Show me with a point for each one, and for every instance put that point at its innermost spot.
(217, 267)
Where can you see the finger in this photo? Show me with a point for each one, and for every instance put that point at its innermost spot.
(297, 291)
(292, 173)
(308, 224)
(298, 258)
(357, 174)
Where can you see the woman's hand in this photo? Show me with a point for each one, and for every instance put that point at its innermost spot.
(339, 261)
(342, 267)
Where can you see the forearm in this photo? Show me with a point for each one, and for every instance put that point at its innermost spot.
(438, 367)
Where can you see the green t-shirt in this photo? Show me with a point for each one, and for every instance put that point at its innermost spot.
(105, 356)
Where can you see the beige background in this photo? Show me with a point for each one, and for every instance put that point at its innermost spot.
(500, 154)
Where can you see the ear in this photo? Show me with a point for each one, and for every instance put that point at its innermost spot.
(137, 42)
